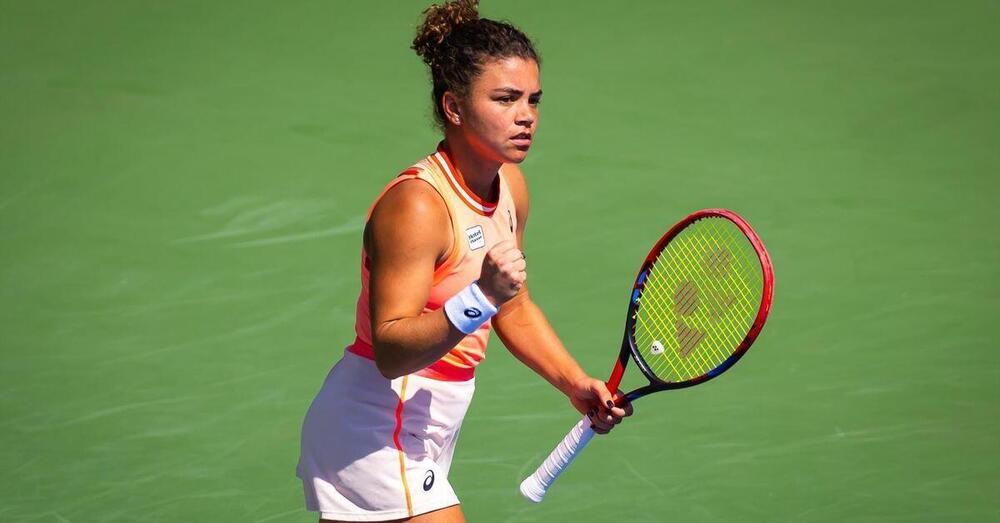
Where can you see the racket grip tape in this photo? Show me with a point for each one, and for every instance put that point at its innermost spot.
(536, 485)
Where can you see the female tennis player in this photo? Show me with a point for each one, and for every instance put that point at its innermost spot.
(441, 265)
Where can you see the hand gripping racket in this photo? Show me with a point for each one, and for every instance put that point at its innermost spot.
(699, 301)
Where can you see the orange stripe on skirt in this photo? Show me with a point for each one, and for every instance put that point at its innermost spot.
(399, 447)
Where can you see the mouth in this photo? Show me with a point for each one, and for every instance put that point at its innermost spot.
(522, 141)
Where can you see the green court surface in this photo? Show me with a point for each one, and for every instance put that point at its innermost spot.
(183, 186)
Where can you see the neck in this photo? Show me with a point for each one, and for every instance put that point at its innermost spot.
(478, 173)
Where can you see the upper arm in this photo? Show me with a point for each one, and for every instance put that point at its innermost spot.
(408, 232)
(519, 193)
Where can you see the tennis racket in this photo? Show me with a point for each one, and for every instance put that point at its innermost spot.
(699, 301)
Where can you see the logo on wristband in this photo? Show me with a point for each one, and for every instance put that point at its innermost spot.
(473, 312)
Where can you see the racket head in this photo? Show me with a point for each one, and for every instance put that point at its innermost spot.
(699, 301)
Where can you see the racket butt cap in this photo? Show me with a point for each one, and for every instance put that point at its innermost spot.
(532, 490)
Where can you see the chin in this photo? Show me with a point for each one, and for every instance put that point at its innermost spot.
(515, 156)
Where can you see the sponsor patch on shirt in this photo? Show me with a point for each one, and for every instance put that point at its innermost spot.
(476, 238)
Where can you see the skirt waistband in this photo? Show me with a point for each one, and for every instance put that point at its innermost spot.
(439, 370)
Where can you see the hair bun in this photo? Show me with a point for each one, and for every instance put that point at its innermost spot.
(439, 20)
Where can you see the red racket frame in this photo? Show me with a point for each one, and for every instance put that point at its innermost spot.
(628, 343)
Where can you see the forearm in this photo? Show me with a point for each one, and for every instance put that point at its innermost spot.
(527, 334)
(406, 345)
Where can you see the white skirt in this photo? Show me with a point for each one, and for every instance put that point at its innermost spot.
(376, 449)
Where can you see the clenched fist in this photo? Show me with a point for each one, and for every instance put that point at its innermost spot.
(503, 272)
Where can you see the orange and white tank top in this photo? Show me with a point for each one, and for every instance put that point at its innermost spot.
(477, 225)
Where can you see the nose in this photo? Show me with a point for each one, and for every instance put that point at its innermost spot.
(527, 115)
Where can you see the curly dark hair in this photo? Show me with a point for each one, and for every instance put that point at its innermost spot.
(455, 43)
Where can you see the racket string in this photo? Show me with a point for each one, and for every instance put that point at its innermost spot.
(661, 291)
(703, 364)
(658, 310)
(661, 323)
(699, 298)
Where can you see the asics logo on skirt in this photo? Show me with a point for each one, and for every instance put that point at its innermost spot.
(428, 480)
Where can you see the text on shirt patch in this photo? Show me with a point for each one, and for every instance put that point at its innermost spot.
(476, 238)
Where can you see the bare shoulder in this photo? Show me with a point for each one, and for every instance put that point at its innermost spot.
(410, 217)
(415, 199)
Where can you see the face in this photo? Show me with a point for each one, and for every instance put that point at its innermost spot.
(500, 114)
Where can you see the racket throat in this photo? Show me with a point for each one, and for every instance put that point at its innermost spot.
(618, 371)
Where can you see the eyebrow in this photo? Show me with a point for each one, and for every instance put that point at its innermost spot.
(511, 90)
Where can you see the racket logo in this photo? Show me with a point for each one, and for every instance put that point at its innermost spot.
(428, 480)
(717, 262)
(472, 312)
(688, 298)
(687, 338)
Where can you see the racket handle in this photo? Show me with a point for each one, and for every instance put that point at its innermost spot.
(536, 485)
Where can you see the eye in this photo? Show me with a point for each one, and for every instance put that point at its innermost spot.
(535, 100)
(506, 99)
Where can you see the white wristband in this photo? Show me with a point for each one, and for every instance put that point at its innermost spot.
(469, 309)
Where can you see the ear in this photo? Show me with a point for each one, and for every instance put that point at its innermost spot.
(452, 110)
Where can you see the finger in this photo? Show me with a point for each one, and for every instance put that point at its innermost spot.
(604, 397)
(501, 249)
(507, 247)
(519, 265)
(600, 420)
(505, 261)
(512, 273)
(619, 412)
(599, 430)
(601, 423)
(628, 408)
(513, 256)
